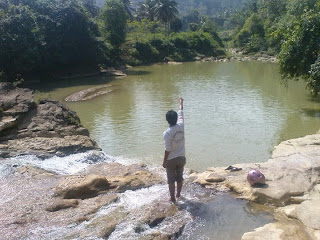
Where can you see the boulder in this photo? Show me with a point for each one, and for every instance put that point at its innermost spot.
(14, 101)
(81, 187)
(88, 93)
(123, 178)
(308, 213)
(62, 204)
(46, 129)
(278, 231)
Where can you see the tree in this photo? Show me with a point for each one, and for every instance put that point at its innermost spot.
(252, 34)
(91, 7)
(271, 9)
(300, 53)
(114, 18)
(146, 10)
(40, 36)
(166, 11)
(127, 7)
(19, 44)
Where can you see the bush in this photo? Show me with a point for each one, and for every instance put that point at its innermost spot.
(146, 53)
(178, 47)
(251, 35)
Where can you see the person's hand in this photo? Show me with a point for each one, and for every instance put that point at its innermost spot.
(164, 164)
(180, 99)
(181, 102)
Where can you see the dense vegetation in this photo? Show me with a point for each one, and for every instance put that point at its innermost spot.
(52, 36)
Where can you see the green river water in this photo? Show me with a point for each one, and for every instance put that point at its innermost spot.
(235, 112)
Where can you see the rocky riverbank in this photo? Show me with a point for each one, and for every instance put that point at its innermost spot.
(238, 55)
(292, 186)
(44, 129)
(100, 200)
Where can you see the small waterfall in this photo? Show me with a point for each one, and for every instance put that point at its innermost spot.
(205, 214)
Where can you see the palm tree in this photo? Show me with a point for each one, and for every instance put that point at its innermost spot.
(127, 7)
(166, 11)
(146, 10)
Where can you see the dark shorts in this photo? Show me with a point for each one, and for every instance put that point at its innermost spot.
(175, 169)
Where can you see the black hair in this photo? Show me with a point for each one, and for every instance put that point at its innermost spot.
(172, 117)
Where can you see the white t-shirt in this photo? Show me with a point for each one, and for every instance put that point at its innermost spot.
(174, 141)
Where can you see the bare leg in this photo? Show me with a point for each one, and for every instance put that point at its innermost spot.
(179, 187)
(172, 190)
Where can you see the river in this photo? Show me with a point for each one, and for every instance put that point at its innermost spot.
(235, 112)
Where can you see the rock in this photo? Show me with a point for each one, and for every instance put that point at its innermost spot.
(308, 213)
(15, 101)
(123, 178)
(215, 177)
(292, 177)
(113, 72)
(156, 213)
(289, 211)
(35, 172)
(47, 147)
(103, 225)
(278, 231)
(62, 204)
(81, 187)
(88, 93)
(8, 122)
(46, 129)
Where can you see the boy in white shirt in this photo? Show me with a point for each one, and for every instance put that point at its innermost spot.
(174, 155)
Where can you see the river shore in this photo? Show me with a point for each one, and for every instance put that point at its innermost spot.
(85, 204)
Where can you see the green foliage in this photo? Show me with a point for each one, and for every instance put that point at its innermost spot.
(71, 120)
(210, 27)
(166, 10)
(272, 9)
(41, 36)
(177, 47)
(146, 10)
(251, 35)
(114, 18)
(299, 56)
(313, 81)
(139, 30)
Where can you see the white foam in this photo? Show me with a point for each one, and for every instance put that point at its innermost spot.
(70, 164)
(137, 199)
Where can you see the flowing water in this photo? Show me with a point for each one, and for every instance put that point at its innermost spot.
(208, 216)
(235, 112)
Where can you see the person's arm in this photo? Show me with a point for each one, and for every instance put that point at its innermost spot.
(165, 159)
(181, 103)
(180, 112)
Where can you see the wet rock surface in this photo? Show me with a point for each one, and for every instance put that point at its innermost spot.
(85, 206)
(43, 129)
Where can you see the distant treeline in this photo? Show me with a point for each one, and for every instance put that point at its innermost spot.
(48, 36)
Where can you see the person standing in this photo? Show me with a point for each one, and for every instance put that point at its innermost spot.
(174, 154)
